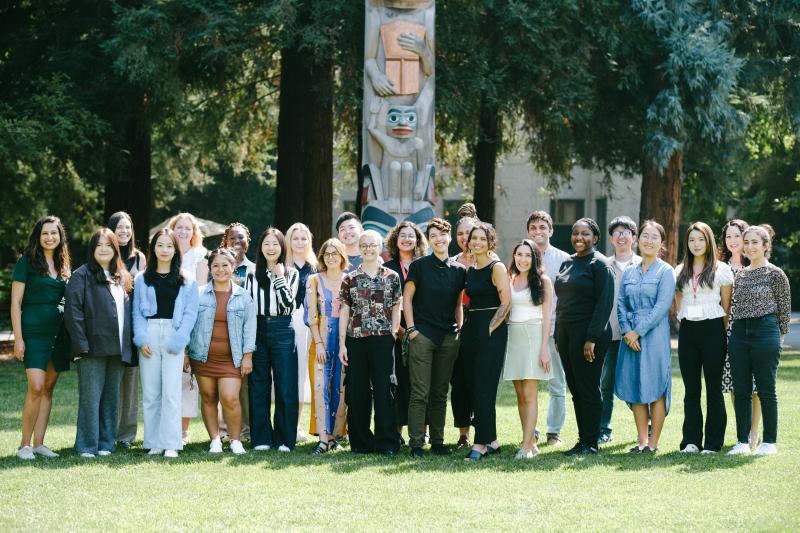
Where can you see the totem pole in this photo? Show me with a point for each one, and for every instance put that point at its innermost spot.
(399, 73)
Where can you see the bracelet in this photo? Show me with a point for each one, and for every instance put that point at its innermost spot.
(411, 329)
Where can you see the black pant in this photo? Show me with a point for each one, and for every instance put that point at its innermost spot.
(275, 359)
(370, 362)
(701, 354)
(483, 355)
(403, 390)
(459, 392)
(755, 349)
(583, 377)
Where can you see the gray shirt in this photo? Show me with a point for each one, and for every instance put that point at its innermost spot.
(619, 267)
(553, 258)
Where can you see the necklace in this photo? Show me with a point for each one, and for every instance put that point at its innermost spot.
(162, 276)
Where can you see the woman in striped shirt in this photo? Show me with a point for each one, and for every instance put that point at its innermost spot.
(272, 288)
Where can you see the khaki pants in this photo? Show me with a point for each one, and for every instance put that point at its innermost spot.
(430, 368)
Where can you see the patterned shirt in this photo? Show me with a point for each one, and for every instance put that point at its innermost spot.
(370, 301)
(762, 291)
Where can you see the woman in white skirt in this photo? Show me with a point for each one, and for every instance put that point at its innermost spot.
(528, 348)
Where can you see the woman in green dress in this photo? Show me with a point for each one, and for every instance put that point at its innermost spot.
(37, 312)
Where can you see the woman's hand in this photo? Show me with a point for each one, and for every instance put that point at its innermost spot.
(146, 351)
(19, 349)
(278, 270)
(588, 351)
(413, 335)
(186, 364)
(321, 355)
(544, 357)
(343, 354)
(247, 364)
(632, 340)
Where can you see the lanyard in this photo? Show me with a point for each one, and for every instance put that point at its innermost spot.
(695, 283)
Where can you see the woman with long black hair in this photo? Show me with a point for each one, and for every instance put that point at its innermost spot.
(37, 315)
(98, 319)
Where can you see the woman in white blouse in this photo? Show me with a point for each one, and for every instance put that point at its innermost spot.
(194, 267)
(703, 299)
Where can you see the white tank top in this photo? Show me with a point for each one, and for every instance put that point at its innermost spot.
(522, 308)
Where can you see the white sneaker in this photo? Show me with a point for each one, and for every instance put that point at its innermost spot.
(185, 437)
(708, 452)
(261, 447)
(741, 448)
(26, 453)
(766, 448)
(284, 448)
(301, 435)
(155, 451)
(171, 454)
(216, 446)
(87, 455)
(44, 451)
(104, 453)
(524, 454)
(690, 448)
(237, 448)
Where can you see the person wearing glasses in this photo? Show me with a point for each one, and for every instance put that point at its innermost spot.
(369, 320)
(622, 231)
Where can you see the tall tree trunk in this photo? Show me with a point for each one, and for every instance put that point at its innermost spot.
(129, 186)
(486, 159)
(304, 189)
(661, 200)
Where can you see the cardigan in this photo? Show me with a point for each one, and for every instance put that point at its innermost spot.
(183, 317)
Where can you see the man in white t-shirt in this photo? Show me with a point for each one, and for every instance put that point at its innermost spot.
(540, 230)
(622, 231)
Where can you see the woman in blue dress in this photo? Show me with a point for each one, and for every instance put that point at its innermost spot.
(644, 364)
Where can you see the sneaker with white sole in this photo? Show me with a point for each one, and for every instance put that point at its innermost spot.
(261, 447)
(44, 451)
(237, 448)
(104, 453)
(690, 448)
(87, 455)
(216, 446)
(155, 451)
(185, 437)
(766, 448)
(171, 454)
(283, 448)
(26, 453)
(708, 452)
(741, 448)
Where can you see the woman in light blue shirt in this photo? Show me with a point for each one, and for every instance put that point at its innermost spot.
(644, 365)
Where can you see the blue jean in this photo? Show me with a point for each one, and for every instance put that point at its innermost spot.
(755, 349)
(607, 387)
(161, 389)
(275, 358)
(557, 386)
(98, 403)
(333, 375)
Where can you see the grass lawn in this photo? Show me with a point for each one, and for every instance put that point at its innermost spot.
(337, 491)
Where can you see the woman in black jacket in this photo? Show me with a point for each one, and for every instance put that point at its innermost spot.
(98, 319)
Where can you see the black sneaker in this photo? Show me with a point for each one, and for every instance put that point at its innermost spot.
(588, 450)
(439, 449)
(575, 450)
(605, 438)
(417, 452)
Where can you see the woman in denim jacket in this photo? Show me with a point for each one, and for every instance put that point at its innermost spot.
(164, 312)
(221, 348)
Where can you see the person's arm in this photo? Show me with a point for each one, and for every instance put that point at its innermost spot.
(408, 307)
(178, 340)
(201, 272)
(249, 335)
(344, 320)
(547, 309)
(17, 294)
(139, 320)
(74, 315)
(725, 294)
(311, 315)
(460, 310)
(396, 309)
(664, 297)
(285, 286)
(500, 280)
(604, 299)
(783, 299)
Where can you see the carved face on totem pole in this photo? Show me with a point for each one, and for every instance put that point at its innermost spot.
(401, 121)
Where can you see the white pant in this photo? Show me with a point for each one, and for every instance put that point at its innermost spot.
(302, 338)
(161, 389)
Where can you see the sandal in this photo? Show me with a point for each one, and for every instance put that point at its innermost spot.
(334, 445)
(475, 455)
(492, 451)
(320, 448)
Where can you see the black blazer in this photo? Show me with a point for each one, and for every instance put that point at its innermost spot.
(90, 317)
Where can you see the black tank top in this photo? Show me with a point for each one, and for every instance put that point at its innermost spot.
(480, 289)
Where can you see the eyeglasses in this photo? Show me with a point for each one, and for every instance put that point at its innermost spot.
(407, 236)
(622, 233)
(328, 255)
(371, 246)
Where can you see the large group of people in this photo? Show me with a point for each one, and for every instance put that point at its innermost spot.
(383, 329)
